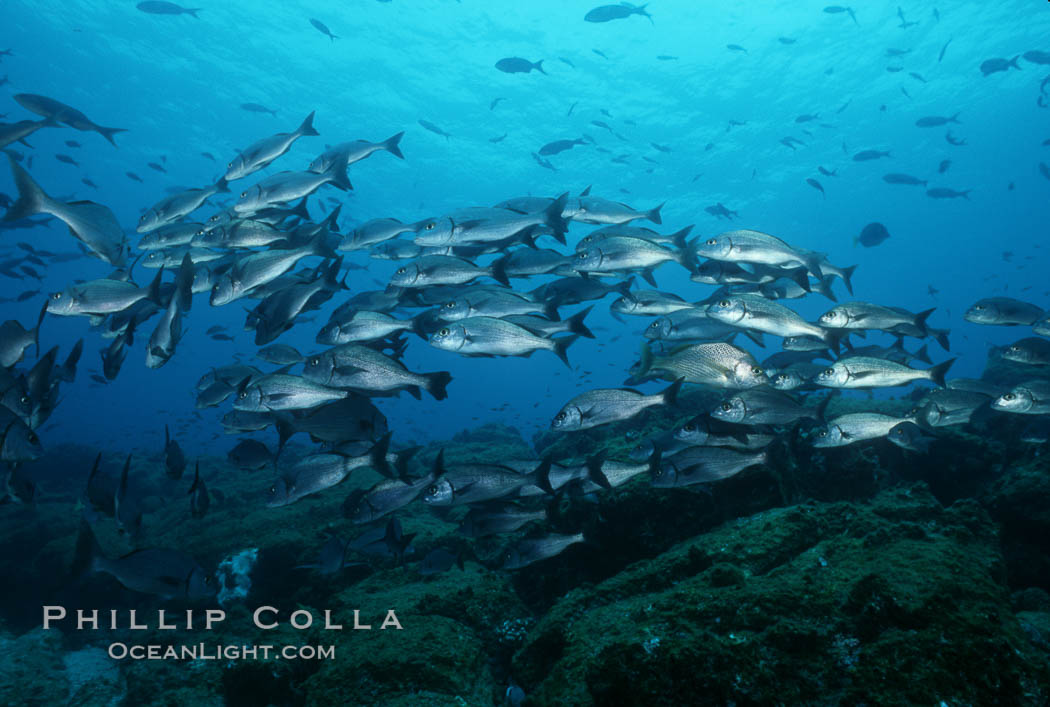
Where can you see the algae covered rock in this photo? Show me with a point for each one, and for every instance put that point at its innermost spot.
(808, 604)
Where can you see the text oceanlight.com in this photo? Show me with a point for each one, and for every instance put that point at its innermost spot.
(203, 651)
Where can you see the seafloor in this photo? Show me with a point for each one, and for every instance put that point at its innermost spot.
(865, 575)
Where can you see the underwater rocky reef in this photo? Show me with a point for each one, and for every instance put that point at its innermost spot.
(857, 575)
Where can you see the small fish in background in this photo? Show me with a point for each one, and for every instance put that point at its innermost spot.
(158, 7)
(932, 291)
(934, 121)
(666, 57)
(517, 65)
(872, 235)
(917, 76)
(897, 178)
(839, 9)
(427, 125)
(816, 185)
(868, 155)
(894, 69)
(952, 140)
(600, 53)
(156, 167)
(826, 172)
(944, 166)
(134, 177)
(72, 143)
(1037, 57)
(608, 13)
(940, 56)
(500, 138)
(786, 40)
(495, 102)
(944, 193)
(904, 23)
(557, 146)
(571, 109)
(67, 159)
(1044, 170)
(323, 29)
(257, 108)
(566, 62)
(736, 48)
(807, 117)
(544, 163)
(994, 66)
(208, 155)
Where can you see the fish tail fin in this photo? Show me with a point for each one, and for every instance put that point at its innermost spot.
(87, 554)
(285, 430)
(954, 118)
(801, 278)
(550, 311)
(393, 144)
(418, 323)
(36, 330)
(193, 11)
(938, 372)
(646, 360)
(833, 338)
(153, 291)
(670, 394)
(338, 177)
(966, 194)
(921, 317)
(68, 372)
(108, 133)
(542, 475)
(377, 456)
(184, 284)
(552, 215)
(594, 470)
(822, 408)
(307, 127)
(193, 486)
(436, 384)
(1013, 62)
(561, 347)
(31, 198)
(923, 355)
(624, 288)
(942, 339)
(576, 325)
(221, 187)
(300, 209)
(320, 246)
(847, 277)
(539, 67)
(499, 272)
(813, 261)
(653, 214)
(648, 276)
(824, 288)
(331, 221)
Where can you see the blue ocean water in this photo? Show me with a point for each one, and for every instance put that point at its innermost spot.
(696, 103)
(177, 82)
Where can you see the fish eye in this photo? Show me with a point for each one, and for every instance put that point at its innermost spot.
(1015, 347)
(242, 395)
(689, 428)
(444, 332)
(727, 407)
(401, 271)
(823, 433)
(432, 490)
(430, 226)
(724, 303)
(230, 165)
(244, 194)
(33, 439)
(978, 307)
(450, 305)
(273, 490)
(712, 241)
(56, 296)
(757, 370)
(829, 371)
(315, 361)
(1009, 396)
(25, 399)
(560, 416)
